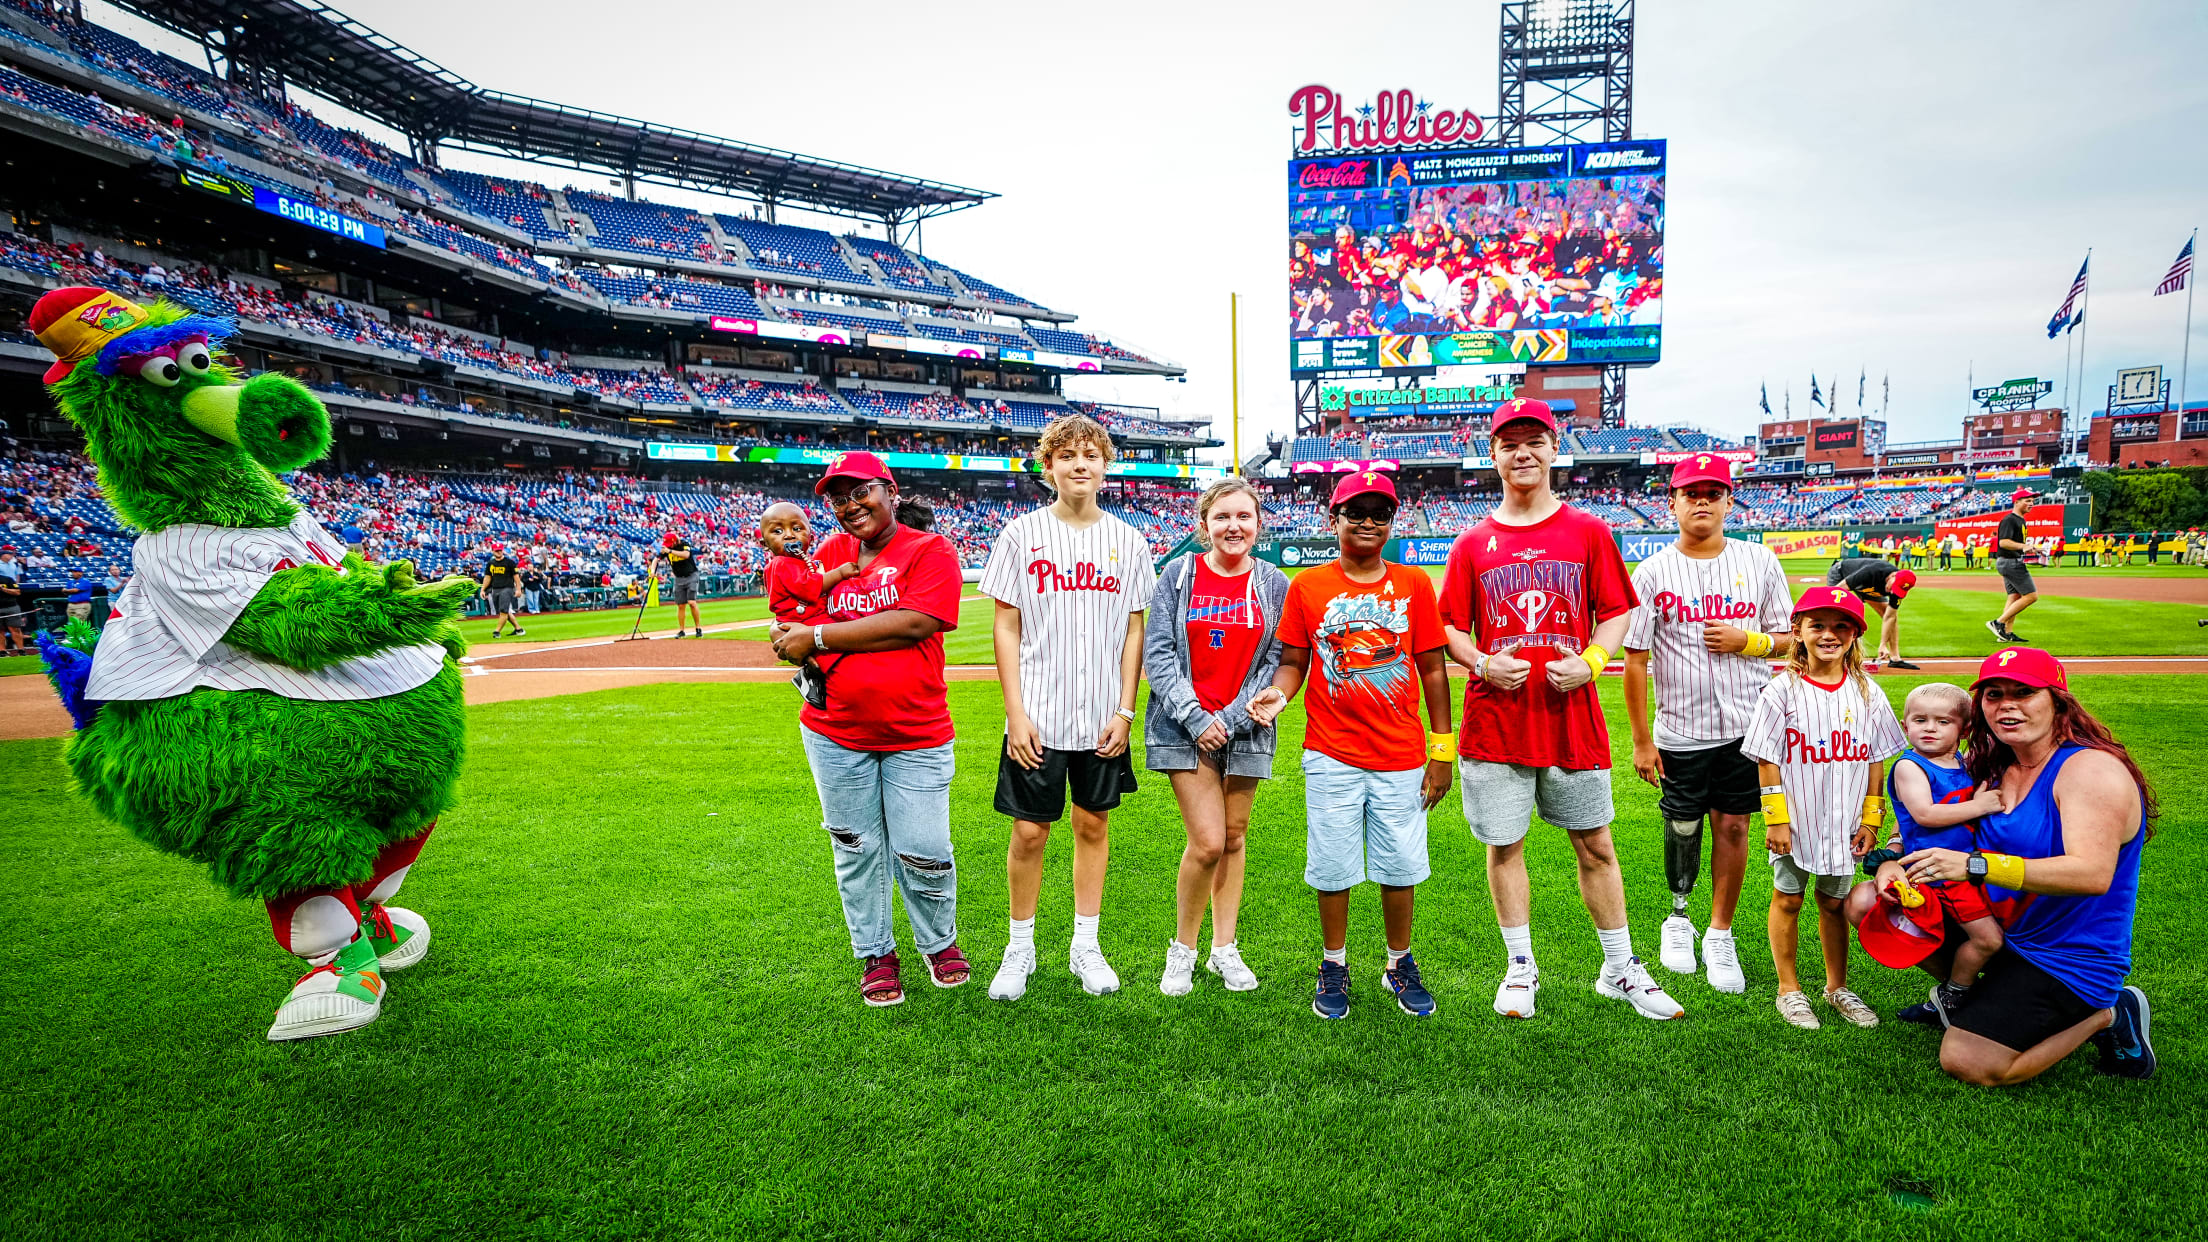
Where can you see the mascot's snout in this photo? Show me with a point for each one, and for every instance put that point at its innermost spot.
(272, 417)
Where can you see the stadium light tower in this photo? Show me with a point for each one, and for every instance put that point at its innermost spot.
(1565, 76)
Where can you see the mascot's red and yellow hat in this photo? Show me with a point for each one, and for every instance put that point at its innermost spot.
(79, 321)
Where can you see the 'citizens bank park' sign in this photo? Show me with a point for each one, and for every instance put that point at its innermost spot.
(1392, 119)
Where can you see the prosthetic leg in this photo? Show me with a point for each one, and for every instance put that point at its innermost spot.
(1682, 864)
(352, 939)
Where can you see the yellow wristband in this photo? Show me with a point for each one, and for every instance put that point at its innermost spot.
(1874, 811)
(1758, 644)
(2006, 870)
(1774, 809)
(1597, 657)
(1441, 747)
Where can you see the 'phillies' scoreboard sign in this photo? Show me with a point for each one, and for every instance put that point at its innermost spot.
(1392, 119)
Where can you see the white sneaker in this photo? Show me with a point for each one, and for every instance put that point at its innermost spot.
(1851, 1007)
(1633, 986)
(1180, 970)
(1226, 962)
(1514, 999)
(1087, 963)
(1721, 957)
(1678, 951)
(1011, 981)
(1794, 1007)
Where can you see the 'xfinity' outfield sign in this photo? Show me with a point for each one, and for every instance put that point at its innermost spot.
(1334, 399)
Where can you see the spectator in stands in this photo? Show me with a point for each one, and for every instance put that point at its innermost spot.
(80, 597)
(12, 600)
(1208, 646)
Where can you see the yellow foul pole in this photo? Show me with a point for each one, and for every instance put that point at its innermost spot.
(1234, 363)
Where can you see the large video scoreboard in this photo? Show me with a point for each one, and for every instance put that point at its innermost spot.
(1485, 255)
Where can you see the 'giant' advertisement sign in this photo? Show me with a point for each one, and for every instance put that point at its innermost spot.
(1845, 436)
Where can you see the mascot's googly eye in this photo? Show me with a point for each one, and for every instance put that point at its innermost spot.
(193, 357)
(159, 370)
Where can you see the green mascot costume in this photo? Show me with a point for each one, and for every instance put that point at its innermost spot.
(260, 701)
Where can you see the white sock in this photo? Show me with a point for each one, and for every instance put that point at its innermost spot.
(1084, 929)
(1396, 955)
(1023, 934)
(1340, 957)
(1518, 941)
(1617, 947)
(1718, 933)
(1176, 942)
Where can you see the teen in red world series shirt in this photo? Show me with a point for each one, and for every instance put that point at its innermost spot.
(1712, 611)
(1534, 598)
(1821, 736)
(1071, 583)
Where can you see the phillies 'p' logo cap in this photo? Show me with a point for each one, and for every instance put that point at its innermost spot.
(1838, 599)
(2027, 666)
(1518, 408)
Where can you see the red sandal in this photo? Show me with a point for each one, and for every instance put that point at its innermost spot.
(879, 986)
(947, 967)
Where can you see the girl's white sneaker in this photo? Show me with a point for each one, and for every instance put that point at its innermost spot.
(1226, 962)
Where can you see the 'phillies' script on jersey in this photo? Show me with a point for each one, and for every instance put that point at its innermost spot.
(1670, 606)
(1840, 747)
(1085, 577)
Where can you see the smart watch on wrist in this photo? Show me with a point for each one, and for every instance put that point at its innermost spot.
(1975, 867)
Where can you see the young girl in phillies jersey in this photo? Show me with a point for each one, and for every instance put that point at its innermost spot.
(1821, 736)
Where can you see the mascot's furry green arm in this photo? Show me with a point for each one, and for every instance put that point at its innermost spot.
(261, 701)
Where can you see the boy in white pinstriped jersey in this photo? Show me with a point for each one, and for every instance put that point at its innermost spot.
(1071, 583)
(1712, 610)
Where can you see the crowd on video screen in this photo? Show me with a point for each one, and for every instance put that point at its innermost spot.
(1567, 253)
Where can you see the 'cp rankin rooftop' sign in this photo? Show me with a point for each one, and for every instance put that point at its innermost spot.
(1392, 119)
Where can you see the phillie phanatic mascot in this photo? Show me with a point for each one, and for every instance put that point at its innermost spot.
(260, 700)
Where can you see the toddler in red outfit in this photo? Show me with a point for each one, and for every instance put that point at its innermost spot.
(797, 590)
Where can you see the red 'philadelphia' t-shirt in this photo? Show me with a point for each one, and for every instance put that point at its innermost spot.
(1224, 626)
(889, 700)
(1548, 584)
(793, 590)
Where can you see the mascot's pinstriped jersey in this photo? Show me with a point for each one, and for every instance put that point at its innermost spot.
(287, 716)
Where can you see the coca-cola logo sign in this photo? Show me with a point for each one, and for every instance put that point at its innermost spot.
(1340, 175)
(1392, 119)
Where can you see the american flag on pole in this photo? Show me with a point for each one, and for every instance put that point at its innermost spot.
(2179, 271)
(2070, 300)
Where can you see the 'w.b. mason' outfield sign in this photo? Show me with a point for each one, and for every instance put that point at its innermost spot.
(1393, 119)
(2012, 395)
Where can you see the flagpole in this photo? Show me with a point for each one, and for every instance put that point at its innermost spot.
(2185, 353)
(1234, 371)
(2068, 441)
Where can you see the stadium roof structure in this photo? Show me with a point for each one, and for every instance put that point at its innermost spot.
(269, 43)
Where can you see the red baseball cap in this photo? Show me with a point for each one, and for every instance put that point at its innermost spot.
(1839, 598)
(1903, 581)
(1901, 936)
(2025, 665)
(2020, 494)
(1702, 468)
(670, 539)
(1524, 407)
(1361, 482)
(856, 464)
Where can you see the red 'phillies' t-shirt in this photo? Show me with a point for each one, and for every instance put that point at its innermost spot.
(889, 700)
(1224, 626)
(1548, 584)
(793, 590)
(1365, 640)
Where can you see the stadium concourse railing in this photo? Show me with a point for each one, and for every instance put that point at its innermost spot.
(625, 595)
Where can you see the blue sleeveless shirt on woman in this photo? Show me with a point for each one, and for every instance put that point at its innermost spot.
(2085, 942)
(1948, 785)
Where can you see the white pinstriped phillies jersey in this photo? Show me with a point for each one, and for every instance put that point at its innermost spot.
(188, 586)
(1074, 590)
(1823, 739)
(1703, 699)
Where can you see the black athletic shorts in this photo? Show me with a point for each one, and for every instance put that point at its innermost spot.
(2017, 1005)
(1039, 795)
(1720, 779)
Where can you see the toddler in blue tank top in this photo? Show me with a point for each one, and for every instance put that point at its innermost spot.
(1936, 807)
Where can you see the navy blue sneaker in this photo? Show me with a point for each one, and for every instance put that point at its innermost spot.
(1923, 1013)
(1410, 991)
(1332, 998)
(2126, 1050)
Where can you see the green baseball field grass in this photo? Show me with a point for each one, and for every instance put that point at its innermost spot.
(640, 1020)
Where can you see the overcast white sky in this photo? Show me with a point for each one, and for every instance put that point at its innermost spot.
(1905, 188)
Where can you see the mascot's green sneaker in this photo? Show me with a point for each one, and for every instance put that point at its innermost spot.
(401, 936)
(344, 995)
